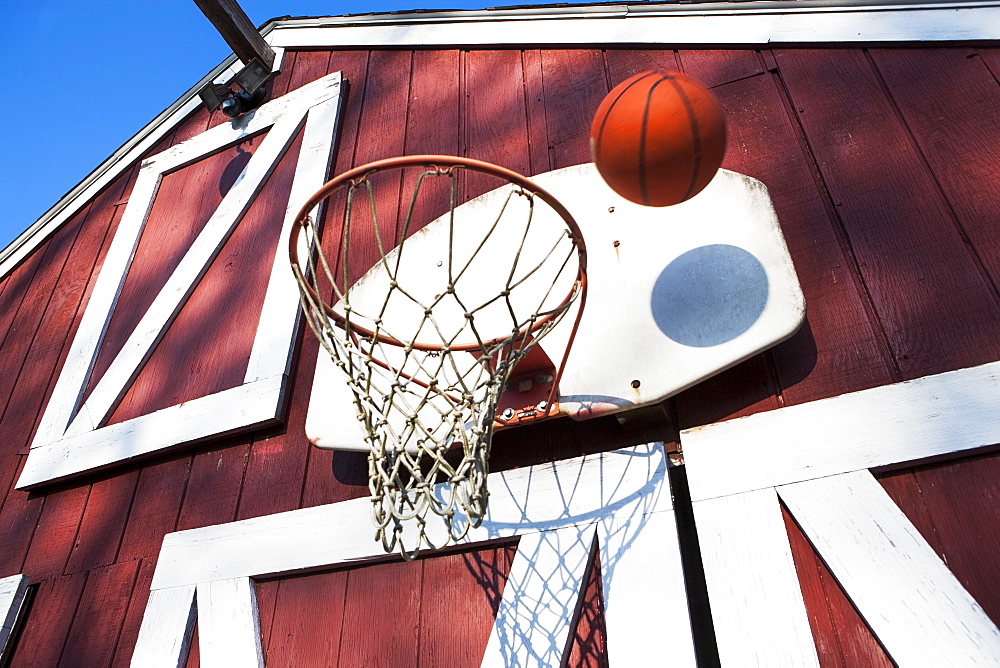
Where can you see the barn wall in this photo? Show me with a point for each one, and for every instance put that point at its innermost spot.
(881, 164)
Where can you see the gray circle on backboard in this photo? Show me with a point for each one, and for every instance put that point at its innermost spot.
(709, 295)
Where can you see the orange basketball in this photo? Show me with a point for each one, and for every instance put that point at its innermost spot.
(658, 138)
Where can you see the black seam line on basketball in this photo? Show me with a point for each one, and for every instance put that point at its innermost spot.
(643, 190)
(696, 138)
(604, 121)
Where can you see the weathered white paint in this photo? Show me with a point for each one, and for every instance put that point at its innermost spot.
(167, 627)
(540, 598)
(12, 591)
(698, 287)
(229, 625)
(227, 411)
(757, 607)
(886, 426)
(182, 282)
(911, 601)
(815, 458)
(624, 493)
(71, 438)
(719, 24)
(633, 565)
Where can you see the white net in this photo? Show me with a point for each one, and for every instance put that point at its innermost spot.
(428, 337)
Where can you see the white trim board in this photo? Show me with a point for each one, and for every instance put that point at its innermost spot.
(815, 458)
(721, 25)
(742, 24)
(72, 437)
(12, 593)
(884, 427)
(622, 497)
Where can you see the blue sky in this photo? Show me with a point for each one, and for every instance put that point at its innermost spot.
(82, 76)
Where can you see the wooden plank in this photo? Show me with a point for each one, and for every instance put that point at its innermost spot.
(953, 494)
(229, 411)
(839, 349)
(320, 486)
(267, 593)
(371, 634)
(641, 572)
(714, 67)
(757, 608)
(541, 597)
(56, 531)
(574, 84)
(50, 346)
(841, 637)
(44, 635)
(625, 483)
(913, 603)
(494, 114)
(459, 600)
(109, 284)
(946, 97)
(12, 591)
(623, 63)
(938, 310)
(534, 94)
(236, 28)
(890, 425)
(155, 507)
(269, 487)
(103, 521)
(182, 281)
(308, 620)
(133, 615)
(98, 618)
(214, 485)
(163, 242)
(167, 627)
(625, 26)
(588, 641)
(228, 625)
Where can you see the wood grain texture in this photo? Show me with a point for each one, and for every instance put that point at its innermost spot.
(214, 484)
(56, 531)
(840, 635)
(167, 633)
(461, 594)
(133, 615)
(574, 83)
(937, 309)
(44, 635)
(890, 426)
(913, 603)
(588, 642)
(228, 625)
(321, 485)
(103, 521)
(958, 496)
(757, 608)
(370, 636)
(155, 507)
(308, 621)
(947, 99)
(714, 67)
(98, 618)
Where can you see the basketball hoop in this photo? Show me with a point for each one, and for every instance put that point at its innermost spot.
(428, 336)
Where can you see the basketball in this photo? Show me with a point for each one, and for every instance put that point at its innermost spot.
(658, 138)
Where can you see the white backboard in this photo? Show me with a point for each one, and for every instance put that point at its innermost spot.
(676, 295)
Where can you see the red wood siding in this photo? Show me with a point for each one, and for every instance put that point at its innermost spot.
(882, 165)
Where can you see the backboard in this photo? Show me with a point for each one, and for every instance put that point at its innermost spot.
(676, 295)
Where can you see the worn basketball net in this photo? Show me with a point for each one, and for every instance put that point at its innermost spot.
(428, 337)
